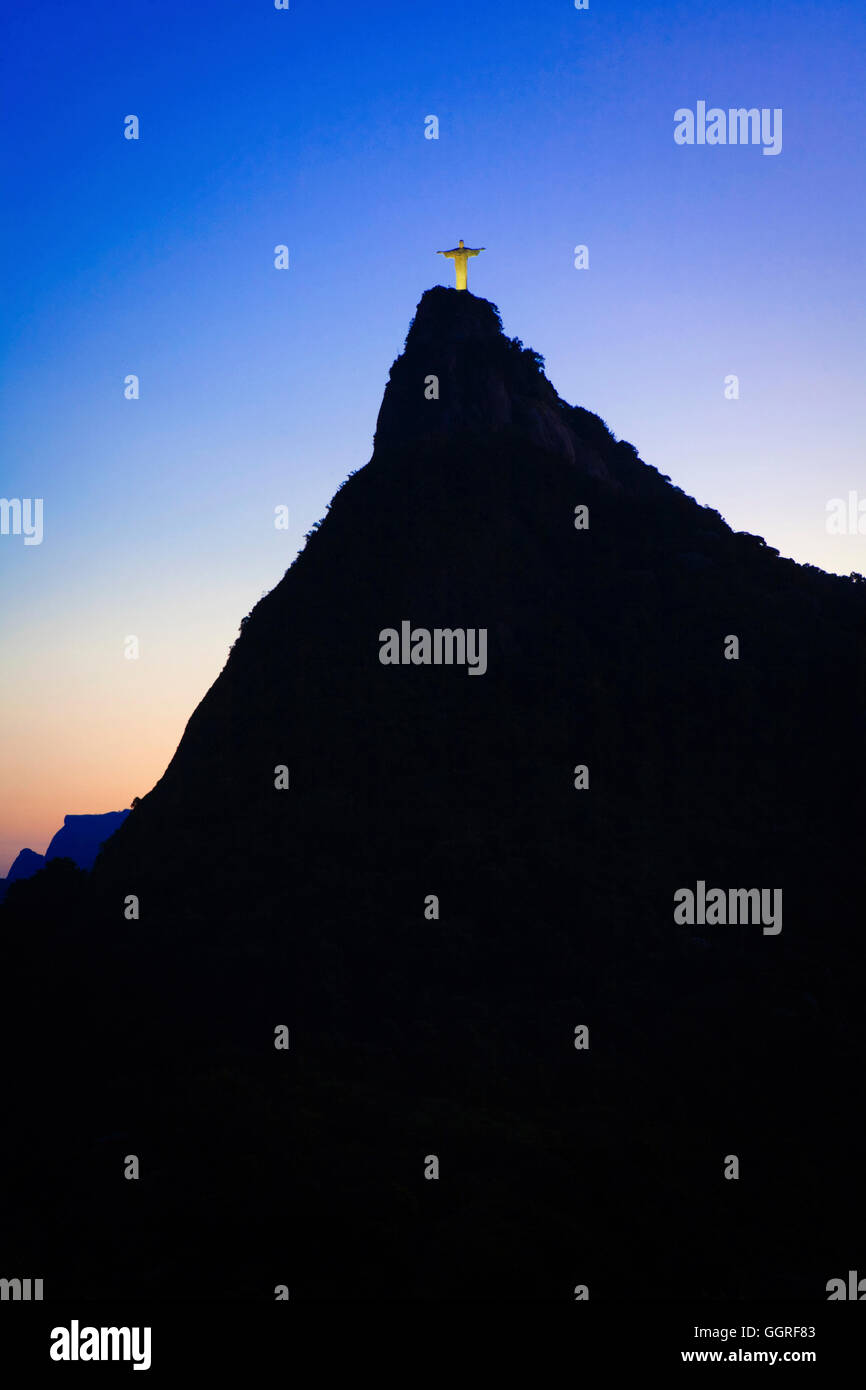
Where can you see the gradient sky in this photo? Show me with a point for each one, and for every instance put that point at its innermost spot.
(261, 387)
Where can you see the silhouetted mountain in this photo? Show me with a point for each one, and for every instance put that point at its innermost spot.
(454, 1036)
(81, 837)
(26, 863)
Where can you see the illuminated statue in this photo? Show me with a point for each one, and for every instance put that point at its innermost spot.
(460, 255)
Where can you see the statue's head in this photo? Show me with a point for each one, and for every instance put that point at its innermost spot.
(460, 243)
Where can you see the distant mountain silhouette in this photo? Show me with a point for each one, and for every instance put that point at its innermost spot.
(413, 1035)
(26, 863)
(79, 839)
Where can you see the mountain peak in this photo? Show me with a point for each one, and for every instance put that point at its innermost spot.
(455, 315)
(460, 375)
(26, 863)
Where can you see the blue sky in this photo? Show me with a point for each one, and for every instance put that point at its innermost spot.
(261, 387)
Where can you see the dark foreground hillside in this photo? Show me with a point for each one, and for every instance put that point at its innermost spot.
(454, 1037)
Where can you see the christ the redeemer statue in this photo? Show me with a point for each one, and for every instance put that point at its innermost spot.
(460, 255)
